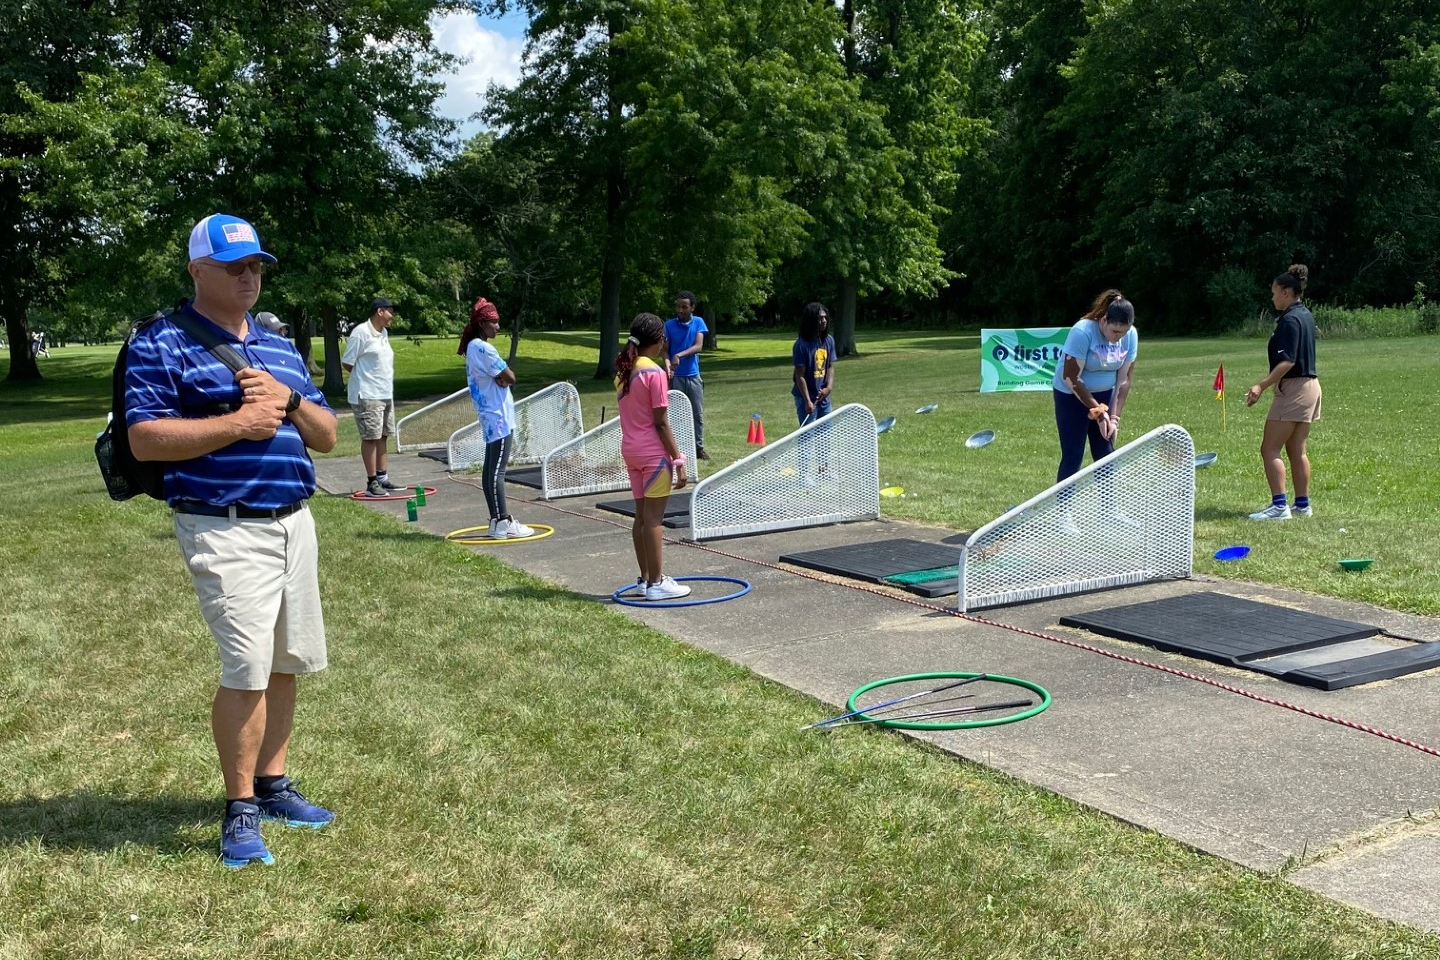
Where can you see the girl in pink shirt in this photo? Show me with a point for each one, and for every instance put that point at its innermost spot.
(652, 457)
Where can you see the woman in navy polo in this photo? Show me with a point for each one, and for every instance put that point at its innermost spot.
(1296, 403)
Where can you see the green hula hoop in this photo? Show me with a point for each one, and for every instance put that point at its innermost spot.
(851, 704)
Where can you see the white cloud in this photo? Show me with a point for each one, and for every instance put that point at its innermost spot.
(487, 55)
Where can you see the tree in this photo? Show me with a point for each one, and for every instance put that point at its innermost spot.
(683, 126)
(876, 217)
(305, 118)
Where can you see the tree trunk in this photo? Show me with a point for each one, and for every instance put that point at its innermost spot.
(17, 331)
(845, 330)
(301, 329)
(334, 384)
(14, 303)
(611, 272)
(612, 269)
(518, 323)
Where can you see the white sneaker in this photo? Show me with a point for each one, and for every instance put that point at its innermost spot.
(1272, 512)
(1068, 526)
(513, 530)
(494, 532)
(1301, 512)
(666, 589)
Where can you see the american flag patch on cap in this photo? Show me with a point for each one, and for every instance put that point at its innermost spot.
(239, 233)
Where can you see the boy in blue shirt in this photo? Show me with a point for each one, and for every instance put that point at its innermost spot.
(685, 335)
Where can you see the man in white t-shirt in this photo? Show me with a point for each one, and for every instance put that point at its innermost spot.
(371, 364)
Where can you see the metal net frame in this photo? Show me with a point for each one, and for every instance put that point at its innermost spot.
(433, 424)
(591, 463)
(543, 421)
(1128, 518)
(825, 472)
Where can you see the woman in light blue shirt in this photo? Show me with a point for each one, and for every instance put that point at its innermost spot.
(1093, 380)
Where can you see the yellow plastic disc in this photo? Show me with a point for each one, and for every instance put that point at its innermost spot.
(892, 491)
(459, 536)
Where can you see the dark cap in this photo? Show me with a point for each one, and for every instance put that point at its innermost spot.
(1121, 312)
(381, 303)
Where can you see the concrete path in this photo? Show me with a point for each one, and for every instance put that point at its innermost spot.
(1249, 778)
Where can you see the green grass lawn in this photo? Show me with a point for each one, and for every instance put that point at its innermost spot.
(523, 773)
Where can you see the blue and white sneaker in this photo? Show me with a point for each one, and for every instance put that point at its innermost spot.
(1272, 512)
(289, 805)
(1302, 511)
(240, 842)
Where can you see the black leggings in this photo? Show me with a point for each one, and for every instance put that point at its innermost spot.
(1072, 420)
(497, 455)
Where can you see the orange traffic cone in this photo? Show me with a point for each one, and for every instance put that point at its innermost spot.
(757, 430)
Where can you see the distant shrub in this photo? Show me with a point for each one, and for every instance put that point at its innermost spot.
(1353, 323)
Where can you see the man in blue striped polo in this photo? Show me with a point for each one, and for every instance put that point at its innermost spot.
(238, 477)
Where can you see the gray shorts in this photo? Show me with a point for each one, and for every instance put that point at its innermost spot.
(259, 593)
(375, 419)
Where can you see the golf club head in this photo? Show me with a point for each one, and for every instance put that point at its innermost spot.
(980, 439)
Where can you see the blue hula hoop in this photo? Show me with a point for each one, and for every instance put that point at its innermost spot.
(619, 595)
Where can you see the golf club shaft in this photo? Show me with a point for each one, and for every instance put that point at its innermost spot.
(936, 714)
(890, 703)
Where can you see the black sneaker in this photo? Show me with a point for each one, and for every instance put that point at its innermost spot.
(700, 454)
(374, 489)
(384, 481)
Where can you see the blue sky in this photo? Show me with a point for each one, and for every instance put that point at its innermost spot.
(490, 49)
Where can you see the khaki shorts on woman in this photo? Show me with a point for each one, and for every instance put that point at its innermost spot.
(1296, 400)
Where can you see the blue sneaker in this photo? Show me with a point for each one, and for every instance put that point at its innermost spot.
(286, 803)
(240, 843)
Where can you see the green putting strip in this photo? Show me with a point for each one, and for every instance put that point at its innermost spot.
(924, 576)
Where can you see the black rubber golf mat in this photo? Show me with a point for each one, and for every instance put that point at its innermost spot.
(875, 560)
(677, 509)
(526, 476)
(1294, 645)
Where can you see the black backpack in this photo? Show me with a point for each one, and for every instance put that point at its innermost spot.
(126, 477)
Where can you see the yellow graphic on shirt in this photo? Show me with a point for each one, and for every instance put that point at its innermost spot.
(821, 356)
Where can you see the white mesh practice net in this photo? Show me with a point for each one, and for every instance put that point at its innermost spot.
(543, 421)
(591, 463)
(825, 472)
(432, 425)
(1128, 518)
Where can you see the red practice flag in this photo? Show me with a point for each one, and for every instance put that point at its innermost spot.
(1220, 383)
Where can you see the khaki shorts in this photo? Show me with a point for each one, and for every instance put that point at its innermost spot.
(259, 593)
(375, 418)
(1296, 400)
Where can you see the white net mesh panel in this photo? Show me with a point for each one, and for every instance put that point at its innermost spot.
(432, 425)
(1128, 518)
(543, 421)
(825, 472)
(591, 463)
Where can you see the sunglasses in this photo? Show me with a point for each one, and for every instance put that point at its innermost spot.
(257, 267)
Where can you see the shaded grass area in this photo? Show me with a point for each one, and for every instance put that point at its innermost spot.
(520, 772)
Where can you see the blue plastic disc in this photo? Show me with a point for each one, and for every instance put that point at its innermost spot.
(619, 595)
(1232, 553)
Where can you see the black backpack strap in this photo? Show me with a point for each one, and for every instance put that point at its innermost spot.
(207, 338)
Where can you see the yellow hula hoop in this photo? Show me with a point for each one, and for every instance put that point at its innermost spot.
(542, 531)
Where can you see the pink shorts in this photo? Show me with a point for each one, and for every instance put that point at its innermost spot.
(650, 479)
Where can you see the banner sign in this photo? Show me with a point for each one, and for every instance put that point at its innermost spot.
(1020, 359)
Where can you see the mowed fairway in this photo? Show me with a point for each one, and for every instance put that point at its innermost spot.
(520, 772)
